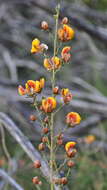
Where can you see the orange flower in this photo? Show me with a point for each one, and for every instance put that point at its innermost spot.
(32, 87)
(89, 139)
(73, 118)
(65, 53)
(49, 104)
(21, 90)
(48, 64)
(37, 47)
(66, 94)
(65, 33)
(53, 63)
(70, 145)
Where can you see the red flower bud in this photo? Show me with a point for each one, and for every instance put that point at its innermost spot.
(32, 117)
(37, 164)
(44, 25)
(35, 180)
(64, 180)
(70, 164)
(45, 130)
(44, 139)
(65, 20)
(56, 90)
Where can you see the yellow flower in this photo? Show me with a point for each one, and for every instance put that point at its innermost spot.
(37, 47)
(65, 91)
(49, 104)
(70, 145)
(53, 63)
(73, 118)
(66, 94)
(32, 87)
(56, 62)
(65, 33)
(89, 139)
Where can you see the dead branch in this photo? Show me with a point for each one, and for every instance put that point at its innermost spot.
(10, 180)
(89, 12)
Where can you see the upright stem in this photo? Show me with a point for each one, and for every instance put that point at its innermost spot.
(52, 115)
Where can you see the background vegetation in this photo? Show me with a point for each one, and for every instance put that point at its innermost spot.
(86, 76)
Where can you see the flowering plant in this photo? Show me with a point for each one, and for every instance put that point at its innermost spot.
(48, 106)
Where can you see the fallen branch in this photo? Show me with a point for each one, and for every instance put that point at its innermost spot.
(10, 180)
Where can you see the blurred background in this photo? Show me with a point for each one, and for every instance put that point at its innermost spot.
(86, 76)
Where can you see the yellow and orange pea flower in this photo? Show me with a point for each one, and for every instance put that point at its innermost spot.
(49, 104)
(65, 54)
(70, 145)
(65, 33)
(89, 139)
(73, 118)
(37, 47)
(52, 63)
(31, 87)
(66, 95)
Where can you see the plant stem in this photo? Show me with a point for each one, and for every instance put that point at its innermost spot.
(52, 115)
(51, 152)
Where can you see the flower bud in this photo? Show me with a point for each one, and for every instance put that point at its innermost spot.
(56, 90)
(67, 98)
(60, 136)
(41, 146)
(35, 180)
(64, 180)
(46, 120)
(40, 183)
(71, 153)
(44, 25)
(44, 139)
(65, 20)
(70, 164)
(60, 142)
(32, 117)
(37, 164)
(45, 130)
(41, 108)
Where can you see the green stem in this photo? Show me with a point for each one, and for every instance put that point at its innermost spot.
(51, 152)
(52, 115)
(38, 188)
